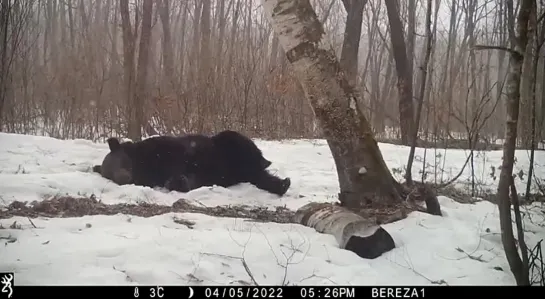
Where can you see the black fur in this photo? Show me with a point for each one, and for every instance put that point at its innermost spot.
(150, 162)
(240, 149)
(190, 162)
(181, 183)
(116, 166)
(232, 158)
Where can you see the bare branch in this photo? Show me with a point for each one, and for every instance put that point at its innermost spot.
(500, 48)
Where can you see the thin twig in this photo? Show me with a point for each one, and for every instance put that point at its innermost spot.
(30, 220)
(248, 271)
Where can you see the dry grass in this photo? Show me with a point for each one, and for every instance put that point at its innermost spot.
(64, 207)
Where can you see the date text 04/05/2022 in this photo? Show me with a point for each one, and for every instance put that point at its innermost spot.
(279, 292)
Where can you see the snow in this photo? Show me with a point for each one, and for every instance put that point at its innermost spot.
(461, 248)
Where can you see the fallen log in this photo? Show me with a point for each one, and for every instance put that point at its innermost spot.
(353, 232)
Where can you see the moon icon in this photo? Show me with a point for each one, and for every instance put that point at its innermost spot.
(191, 293)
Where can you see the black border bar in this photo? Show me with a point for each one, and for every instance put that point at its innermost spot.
(288, 292)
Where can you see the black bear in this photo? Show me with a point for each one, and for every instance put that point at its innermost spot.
(189, 162)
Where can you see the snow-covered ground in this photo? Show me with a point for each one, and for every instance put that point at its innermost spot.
(463, 247)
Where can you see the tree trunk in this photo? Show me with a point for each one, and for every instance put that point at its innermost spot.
(222, 22)
(430, 83)
(181, 56)
(533, 101)
(471, 113)
(411, 38)
(168, 62)
(424, 69)
(52, 11)
(72, 25)
(542, 122)
(274, 53)
(501, 59)
(5, 10)
(204, 52)
(449, 69)
(134, 131)
(349, 136)
(232, 38)
(143, 65)
(379, 124)
(219, 86)
(195, 43)
(519, 42)
(353, 232)
(204, 69)
(351, 42)
(404, 75)
(526, 97)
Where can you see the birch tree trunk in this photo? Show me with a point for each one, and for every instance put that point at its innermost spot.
(353, 232)
(367, 181)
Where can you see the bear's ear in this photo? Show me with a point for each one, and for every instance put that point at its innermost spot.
(113, 143)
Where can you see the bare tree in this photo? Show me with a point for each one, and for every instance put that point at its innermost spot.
(519, 41)
(363, 175)
(411, 36)
(168, 60)
(70, 76)
(14, 21)
(5, 12)
(134, 127)
(424, 69)
(404, 73)
(142, 75)
(538, 40)
(352, 35)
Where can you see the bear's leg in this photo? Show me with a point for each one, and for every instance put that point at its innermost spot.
(273, 184)
(180, 183)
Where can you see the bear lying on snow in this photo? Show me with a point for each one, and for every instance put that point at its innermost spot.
(190, 162)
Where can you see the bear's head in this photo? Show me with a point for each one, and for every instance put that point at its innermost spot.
(117, 165)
